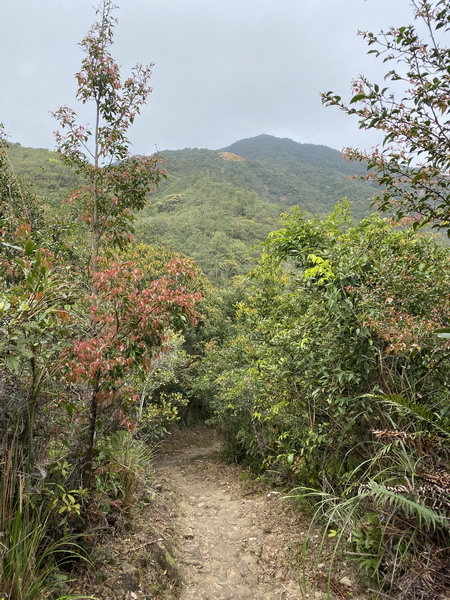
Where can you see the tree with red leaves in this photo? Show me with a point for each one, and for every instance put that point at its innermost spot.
(127, 318)
(129, 322)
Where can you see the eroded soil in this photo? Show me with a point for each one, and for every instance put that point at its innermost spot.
(224, 548)
(230, 537)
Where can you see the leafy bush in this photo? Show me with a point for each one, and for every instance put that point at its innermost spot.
(335, 378)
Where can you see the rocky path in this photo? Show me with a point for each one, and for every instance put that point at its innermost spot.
(227, 536)
(211, 533)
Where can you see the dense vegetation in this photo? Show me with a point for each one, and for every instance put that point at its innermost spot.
(214, 222)
(334, 381)
(322, 355)
(216, 207)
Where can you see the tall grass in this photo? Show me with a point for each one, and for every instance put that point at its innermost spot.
(29, 558)
(131, 460)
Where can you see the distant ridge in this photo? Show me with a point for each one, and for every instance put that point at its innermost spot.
(265, 143)
(264, 147)
(217, 205)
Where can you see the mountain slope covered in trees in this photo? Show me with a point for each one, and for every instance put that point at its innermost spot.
(278, 170)
(52, 180)
(217, 205)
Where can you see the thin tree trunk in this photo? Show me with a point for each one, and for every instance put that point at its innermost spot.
(95, 219)
(87, 478)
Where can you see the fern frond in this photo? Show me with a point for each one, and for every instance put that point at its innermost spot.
(412, 409)
(393, 501)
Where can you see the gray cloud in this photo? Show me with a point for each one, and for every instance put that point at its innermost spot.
(224, 70)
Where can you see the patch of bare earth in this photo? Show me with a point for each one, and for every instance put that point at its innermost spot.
(236, 540)
(212, 534)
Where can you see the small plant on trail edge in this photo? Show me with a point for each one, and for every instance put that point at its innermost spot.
(126, 467)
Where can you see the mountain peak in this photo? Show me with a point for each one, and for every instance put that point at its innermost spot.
(269, 147)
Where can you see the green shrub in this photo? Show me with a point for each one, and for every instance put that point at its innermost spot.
(335, 381)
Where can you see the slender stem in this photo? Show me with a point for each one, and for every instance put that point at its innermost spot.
(92, 429)
(95, 221)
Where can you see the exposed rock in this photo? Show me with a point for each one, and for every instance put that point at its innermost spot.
(165, 560)
(126, 582)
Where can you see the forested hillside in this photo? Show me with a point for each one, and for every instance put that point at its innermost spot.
(50, 177)
(218, 205)
(280, 171)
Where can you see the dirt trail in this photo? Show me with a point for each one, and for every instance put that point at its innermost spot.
(232, 545)
(211, 533)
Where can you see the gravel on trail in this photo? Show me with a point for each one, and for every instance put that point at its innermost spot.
(233, 543)
(212, 532)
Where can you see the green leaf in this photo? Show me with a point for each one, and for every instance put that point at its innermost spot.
(358, 97)
(30, 246)
(70, 407)
(443, 332)
(12, 362)
(332, 533)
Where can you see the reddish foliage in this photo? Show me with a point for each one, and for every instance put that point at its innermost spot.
(129, 324)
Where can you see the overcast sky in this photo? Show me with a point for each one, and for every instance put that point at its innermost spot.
(225, 69)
